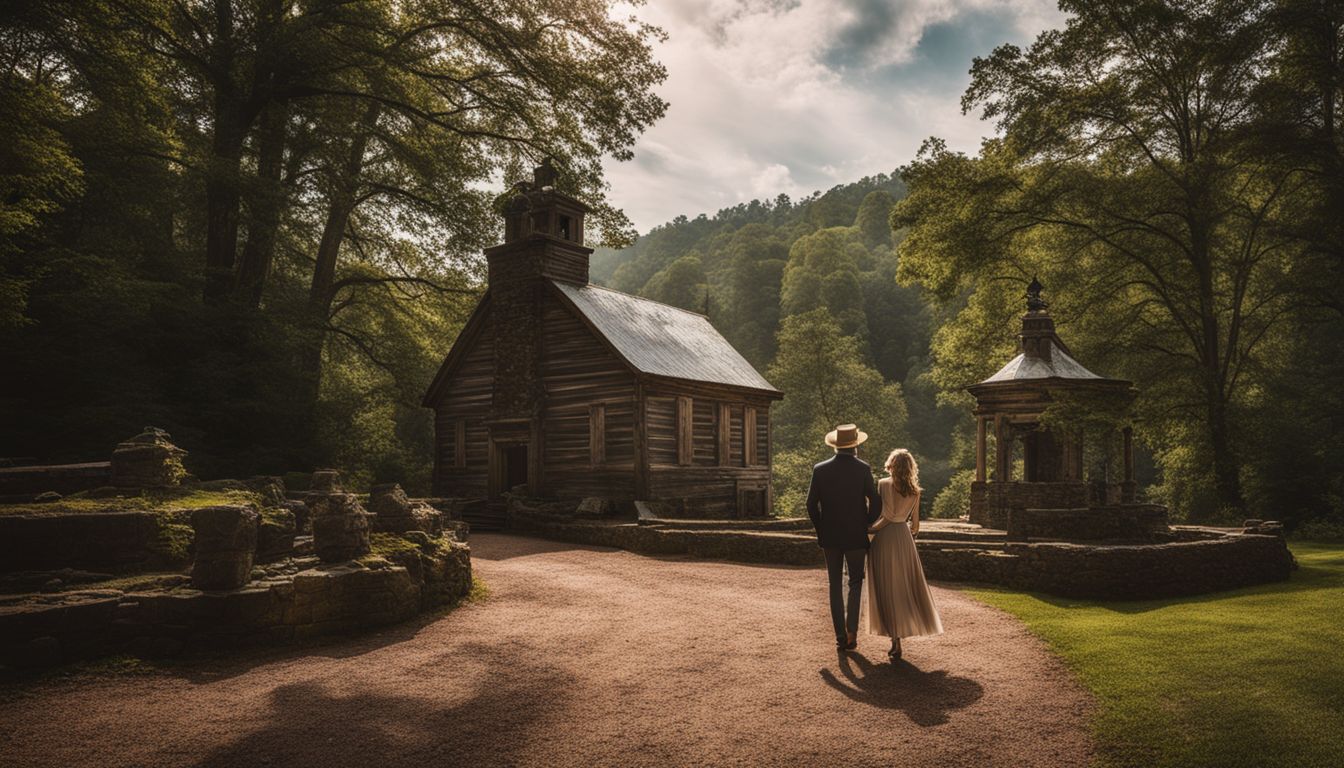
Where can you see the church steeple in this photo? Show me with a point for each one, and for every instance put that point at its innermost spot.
(536, 208)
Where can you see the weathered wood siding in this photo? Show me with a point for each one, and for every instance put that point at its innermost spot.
(463, 407)
(577, 372)
(709, 488)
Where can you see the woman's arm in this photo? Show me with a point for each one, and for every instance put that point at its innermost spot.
(881, 523)
(914, 516)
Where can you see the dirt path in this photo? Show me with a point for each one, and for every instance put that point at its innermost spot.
(580, 657)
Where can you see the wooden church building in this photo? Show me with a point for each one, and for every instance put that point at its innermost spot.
(574, 390)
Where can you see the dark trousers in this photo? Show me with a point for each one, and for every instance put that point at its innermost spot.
(837, 561)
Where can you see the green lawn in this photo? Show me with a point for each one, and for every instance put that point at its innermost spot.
(1253, 677)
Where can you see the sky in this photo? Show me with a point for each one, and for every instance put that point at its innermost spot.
(794, 96)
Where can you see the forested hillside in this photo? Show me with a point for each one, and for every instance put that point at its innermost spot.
(806, 290)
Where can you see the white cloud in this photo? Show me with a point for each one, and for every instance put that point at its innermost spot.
(771, 96)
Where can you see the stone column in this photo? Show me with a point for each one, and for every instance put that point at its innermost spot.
(340, 527)
(148, 460)
(1127, 487)
(1000, 450)
(980, 449)
(226, 544)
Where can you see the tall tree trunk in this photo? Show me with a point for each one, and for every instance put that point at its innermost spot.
(339, 208)
(221, 186)
(341, 205)
(1226, 466)
(266, 206)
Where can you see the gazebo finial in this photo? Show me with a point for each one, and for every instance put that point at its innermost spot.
(1034, 301)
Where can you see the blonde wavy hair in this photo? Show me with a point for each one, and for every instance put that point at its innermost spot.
(904, 472)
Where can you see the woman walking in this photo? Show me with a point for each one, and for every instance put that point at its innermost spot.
(899, 602)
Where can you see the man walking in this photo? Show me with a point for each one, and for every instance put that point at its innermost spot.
(842, 502)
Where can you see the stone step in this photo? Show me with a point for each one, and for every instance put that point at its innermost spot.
(486, 517)
(762, 524)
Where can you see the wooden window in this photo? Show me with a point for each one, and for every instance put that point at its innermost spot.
(597, 435)
(724, 432)
(748, 436)
(460, 443)
(685, 431)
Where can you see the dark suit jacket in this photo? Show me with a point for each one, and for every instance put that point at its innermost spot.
(842, 502)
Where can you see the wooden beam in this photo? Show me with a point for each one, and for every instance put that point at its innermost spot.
(641, 445)
(597, 434)
(748, 436)
(685, 431)
(459, 443)
(724, 431)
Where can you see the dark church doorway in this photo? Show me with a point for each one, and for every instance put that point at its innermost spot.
(515, 466)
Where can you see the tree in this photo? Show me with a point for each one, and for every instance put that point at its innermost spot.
(823, 271)
(682, 284)
(1123, 171)
(826, 382)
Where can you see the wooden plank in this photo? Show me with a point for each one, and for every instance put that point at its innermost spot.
(597, 435)
(722, 430)
(749, 436)
(685, 431)
(459, 443)
(641, 445)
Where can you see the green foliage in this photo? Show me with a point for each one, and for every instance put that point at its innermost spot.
(265, 238)
(1166, 226)
(1241, 678)
(955, 499)
(779, 259)
(1329, 529)
(826, 382)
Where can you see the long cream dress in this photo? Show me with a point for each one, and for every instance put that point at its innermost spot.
(899, 602)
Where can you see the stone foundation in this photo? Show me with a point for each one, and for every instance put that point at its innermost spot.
(118, 542)
(304, 600)
(1125, 572)
(1199, 562)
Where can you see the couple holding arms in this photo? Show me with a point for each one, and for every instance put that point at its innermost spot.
(857, 520)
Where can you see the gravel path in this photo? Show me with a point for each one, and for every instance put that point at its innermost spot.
(583, 656)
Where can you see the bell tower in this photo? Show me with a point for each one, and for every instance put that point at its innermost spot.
(543, 239)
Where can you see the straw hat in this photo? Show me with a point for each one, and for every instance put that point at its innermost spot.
(845, 436)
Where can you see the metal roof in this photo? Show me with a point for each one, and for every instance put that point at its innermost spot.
(662, 340)
(1059, 366)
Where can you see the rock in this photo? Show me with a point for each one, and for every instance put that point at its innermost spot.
(325, 481)
(148, 460)
(395, 513)
(47, 497)
(420, 539)
(275, 535)
(595, 506)
(1252, 523)
(226, 545)
(340, 527)
(303, 522)
(1264, 527)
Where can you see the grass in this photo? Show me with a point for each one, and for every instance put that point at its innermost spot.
(145, 501)
(1252, 677)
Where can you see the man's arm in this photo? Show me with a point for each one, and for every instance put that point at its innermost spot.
(814, 502)
(874, 500)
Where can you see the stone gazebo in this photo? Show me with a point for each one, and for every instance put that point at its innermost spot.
(1057, 497)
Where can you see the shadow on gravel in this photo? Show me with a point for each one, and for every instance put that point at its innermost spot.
(927, 698)
(308, 724)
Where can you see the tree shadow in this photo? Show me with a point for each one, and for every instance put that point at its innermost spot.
(308, 724)
(927, 698)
